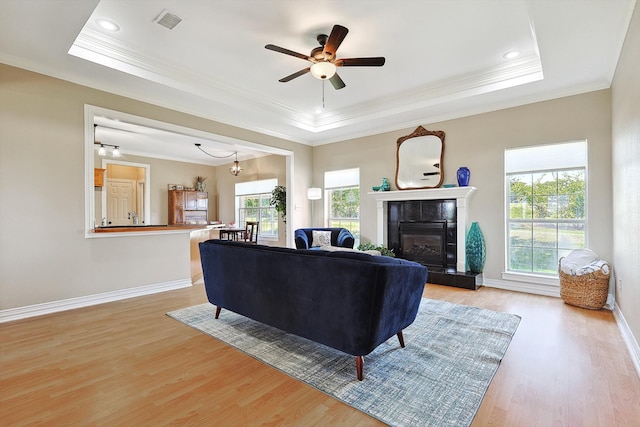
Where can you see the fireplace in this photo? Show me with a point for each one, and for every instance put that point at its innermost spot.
(424, 231)
(428, 226)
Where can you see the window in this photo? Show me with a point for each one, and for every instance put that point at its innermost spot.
(253, 204)
(546, 205)
(342, 191)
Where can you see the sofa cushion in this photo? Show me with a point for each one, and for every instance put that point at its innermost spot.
(321, 238)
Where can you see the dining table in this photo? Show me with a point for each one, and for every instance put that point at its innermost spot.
(231, 233)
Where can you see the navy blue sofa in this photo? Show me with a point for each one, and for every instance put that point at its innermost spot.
(339, 237)
(349, 301)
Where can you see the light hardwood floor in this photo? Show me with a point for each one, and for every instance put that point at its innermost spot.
(127, 364)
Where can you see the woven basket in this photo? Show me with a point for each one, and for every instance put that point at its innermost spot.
(586, 291)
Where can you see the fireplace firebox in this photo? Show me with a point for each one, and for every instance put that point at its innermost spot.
(424, 242)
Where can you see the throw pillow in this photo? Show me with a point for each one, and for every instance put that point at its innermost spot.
(321, 238)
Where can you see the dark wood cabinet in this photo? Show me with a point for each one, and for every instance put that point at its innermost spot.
(188, 207)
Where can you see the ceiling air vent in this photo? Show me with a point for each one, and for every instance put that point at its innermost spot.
(168, 19)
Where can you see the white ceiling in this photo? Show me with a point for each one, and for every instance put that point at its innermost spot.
(444, 58)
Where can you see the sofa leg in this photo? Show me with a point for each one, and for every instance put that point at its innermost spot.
(401, 339)
(218, 309)
(359, 367)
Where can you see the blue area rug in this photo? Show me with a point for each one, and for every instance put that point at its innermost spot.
(439, 379)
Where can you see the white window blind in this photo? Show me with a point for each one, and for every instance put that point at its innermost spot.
(342, 178)
(256, 187)
(566, 155)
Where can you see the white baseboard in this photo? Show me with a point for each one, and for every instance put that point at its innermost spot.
(71, 303)
(530, 288)
(629, 339)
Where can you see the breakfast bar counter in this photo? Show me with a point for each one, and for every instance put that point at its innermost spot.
(142, 228)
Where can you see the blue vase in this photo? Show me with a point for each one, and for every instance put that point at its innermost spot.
(463, 176)
(476, 251)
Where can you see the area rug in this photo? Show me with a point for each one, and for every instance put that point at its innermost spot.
(439, 379)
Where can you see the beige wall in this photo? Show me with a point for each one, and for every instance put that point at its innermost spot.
(478, 142)
(626, 175)
(44, 255)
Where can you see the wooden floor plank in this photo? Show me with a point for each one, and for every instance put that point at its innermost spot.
(127, 363)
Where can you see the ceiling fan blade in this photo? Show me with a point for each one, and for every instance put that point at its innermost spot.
(337, 82)
(338, 33)
(377, 61)
(294, 75)
(287, 52)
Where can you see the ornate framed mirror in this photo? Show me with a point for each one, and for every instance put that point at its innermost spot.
(419, 160)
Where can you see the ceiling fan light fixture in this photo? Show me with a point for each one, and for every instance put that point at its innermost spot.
(323, 70)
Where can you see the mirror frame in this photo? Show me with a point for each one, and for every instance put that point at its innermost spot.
(420, 132)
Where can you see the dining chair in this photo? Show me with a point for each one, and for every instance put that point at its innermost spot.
(251, 232)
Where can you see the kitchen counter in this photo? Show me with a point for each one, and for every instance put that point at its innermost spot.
(144, 228)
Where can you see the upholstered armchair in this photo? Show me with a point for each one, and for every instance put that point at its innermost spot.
(338, 237)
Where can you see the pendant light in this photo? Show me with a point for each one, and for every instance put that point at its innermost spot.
(235, 170)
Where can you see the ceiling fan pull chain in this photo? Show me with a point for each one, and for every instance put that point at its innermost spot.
(323, 83)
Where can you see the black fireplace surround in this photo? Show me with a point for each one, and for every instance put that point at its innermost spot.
(425, 231)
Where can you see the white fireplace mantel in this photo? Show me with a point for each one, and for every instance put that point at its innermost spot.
(460, 194)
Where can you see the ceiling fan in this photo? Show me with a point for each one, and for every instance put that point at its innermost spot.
(323, 58)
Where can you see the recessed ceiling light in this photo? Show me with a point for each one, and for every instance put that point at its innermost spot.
(511, 54)
(108, 25)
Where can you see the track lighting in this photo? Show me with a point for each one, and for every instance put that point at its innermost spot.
(102, 151)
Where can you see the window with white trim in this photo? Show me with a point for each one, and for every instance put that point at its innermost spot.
(342, 196)
(546, 202)
(253, 204)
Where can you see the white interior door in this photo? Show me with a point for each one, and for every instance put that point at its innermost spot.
(120, 201)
